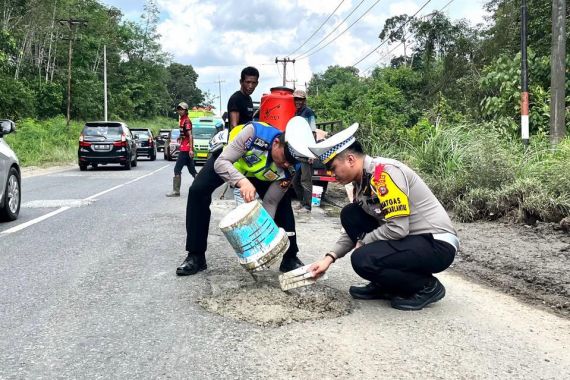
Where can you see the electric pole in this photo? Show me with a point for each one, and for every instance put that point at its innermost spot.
(524, 76)
(72, 24)
(219, 82)
(284, 61)
(557, 68)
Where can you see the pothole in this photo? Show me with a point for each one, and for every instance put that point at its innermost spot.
(265, 304)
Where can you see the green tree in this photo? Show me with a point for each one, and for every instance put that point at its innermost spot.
(181, 85)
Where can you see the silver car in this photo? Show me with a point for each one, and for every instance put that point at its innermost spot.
(10, 184)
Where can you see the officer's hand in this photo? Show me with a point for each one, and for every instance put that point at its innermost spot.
(319, 268)
(246, 189)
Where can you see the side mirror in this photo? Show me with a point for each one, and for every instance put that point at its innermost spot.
(7, 126)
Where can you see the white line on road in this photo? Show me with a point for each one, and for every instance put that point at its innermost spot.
(62, 209)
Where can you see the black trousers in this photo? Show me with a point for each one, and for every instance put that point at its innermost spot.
(401, 267)
(198, 210)
(182, 160)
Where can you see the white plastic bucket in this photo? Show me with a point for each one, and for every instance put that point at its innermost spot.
(254, 236)
(316, 197)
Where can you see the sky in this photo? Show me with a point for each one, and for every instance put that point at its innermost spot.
(220, 37)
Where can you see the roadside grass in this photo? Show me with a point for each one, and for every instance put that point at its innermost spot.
(481, 174)
(51, 142)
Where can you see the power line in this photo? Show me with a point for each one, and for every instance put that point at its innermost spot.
(341, 33)
(386, 39)
(319, 28)
(332, 31)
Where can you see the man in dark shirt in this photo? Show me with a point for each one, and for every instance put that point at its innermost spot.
(240, 105)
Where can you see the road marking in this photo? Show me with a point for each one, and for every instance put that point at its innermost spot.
(55, 203)
(62, 209)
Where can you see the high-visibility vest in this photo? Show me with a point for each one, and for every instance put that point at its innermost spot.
(254, 163)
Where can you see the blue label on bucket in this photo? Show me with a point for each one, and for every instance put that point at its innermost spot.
(316, 201)
(254, 238)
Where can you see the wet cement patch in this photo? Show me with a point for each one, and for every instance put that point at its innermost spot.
(262, 302)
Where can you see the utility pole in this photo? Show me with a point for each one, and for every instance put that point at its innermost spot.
(524, 76)
(72, 24)
(284, 61)
(557, 68)
(294, 81)
(219, 82)
(105, 81)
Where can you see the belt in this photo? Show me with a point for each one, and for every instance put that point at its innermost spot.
(448, 238)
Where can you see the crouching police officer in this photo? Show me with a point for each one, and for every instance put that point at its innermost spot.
(259, 159)
(399, 231)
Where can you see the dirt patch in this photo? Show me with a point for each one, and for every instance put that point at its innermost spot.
(262, 301)
(530, 262)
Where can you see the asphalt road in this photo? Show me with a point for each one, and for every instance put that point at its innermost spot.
(88, 284)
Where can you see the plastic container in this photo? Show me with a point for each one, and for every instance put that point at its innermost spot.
(277, 107)
(316, 197)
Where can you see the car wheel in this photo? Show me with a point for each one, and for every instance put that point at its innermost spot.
(128, 164)
(11, 207)
(94, 166)
(82, 167)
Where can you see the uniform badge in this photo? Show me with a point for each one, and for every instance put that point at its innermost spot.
(285, 183)
(270, 175)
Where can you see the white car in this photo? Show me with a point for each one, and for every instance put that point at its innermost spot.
(10, 176)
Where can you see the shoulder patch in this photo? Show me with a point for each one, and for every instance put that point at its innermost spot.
(393, 201)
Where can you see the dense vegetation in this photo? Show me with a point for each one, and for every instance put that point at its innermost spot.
(34, 51)
(449, 106)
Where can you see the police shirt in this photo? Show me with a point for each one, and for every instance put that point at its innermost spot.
(235, 150)
(401, 202)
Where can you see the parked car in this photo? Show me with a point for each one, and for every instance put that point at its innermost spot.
(160, 139)
(106, 142)
(145, 143)
(10, 176)
(171, 145)
(203, 129)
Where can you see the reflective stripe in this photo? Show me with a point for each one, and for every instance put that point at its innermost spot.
(448, 238)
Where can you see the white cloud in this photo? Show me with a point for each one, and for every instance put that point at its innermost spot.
(220, 37)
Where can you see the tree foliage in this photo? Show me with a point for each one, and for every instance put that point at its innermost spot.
(34, 47)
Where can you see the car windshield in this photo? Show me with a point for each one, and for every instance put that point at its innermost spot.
(175, 133)
(103, 130)
(203, 132)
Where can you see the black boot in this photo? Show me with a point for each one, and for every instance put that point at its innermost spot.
(290, 263)
(371, 291)
(430, 293)
(192, 265)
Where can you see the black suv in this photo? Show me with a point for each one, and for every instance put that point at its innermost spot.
(106, 142)
(161, 138)
(145, 142)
